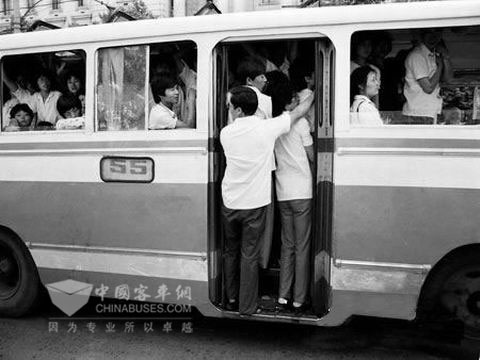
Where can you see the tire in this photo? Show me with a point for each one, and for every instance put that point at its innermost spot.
(454, 289)
(19, 280)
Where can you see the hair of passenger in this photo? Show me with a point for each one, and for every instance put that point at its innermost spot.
(250, 67)
(161, 83)
(244, 98)
(359, 78)
(301, 67)
(44, 73)
(68, 102)
(47, 74)
(280, 90)
(379, 37)
(358, 38)
(21, 107)
(168, 61)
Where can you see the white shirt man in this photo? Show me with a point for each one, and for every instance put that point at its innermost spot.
(426, 65)
(421, 63)
(264, 109)
(248, 143)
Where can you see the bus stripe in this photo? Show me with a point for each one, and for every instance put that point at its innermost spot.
(176, 167)
(415, 170)
(99, 145)
(168, 267)
(407, 143)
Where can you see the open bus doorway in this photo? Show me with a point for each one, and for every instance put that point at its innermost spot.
(290, 59)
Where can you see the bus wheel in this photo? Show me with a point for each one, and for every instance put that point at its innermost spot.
(460, 294)
(19, 280)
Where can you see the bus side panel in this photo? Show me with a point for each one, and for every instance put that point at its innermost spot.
(412, 225)
(141, 216)
(406, 205)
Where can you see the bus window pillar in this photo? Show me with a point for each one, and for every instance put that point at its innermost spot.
(179, 8)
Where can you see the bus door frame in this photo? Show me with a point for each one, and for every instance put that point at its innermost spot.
(216, 169)
(323, 187)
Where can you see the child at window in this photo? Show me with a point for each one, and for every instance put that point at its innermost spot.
(70, 109)
(21, 118)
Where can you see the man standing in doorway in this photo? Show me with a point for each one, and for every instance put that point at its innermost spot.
(251, 72)
(248, 143)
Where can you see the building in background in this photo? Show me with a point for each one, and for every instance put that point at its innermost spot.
(66, 13)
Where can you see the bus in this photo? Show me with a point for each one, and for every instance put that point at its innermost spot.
(134, 210)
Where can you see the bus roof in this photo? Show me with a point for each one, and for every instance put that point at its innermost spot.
(331, 15)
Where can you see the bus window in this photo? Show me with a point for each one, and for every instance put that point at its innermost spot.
(131, 98)
(43, 91)
(426, 76)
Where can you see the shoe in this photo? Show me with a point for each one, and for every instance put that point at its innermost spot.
(299, 310)
(280, 306)
(232, 306)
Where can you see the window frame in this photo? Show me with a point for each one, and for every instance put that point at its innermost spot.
(399, 27)
(52, 50)
(153, 42)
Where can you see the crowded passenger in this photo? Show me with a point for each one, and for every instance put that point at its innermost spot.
(70, 109)
(425, 66)
(248, 144)
(364, 87)
(75, 87)
(302, 74)
(293, 179)
(189, 78)
(166, 94)
(21, 117)
(251, 72)
(44, 101)
(361, 50)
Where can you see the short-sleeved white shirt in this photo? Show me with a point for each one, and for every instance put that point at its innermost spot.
(264, 109)
(248, 144)
(363, 112)
(293, 178)
(161, 117)
(46, 110)
(420, 63)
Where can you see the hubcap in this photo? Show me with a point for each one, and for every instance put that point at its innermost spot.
(9, 274)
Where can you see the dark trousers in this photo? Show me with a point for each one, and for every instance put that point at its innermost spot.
(243, 235)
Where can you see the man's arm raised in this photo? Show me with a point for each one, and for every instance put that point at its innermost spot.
(302, 109)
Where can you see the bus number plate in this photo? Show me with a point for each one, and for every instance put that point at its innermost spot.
(126, 169)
